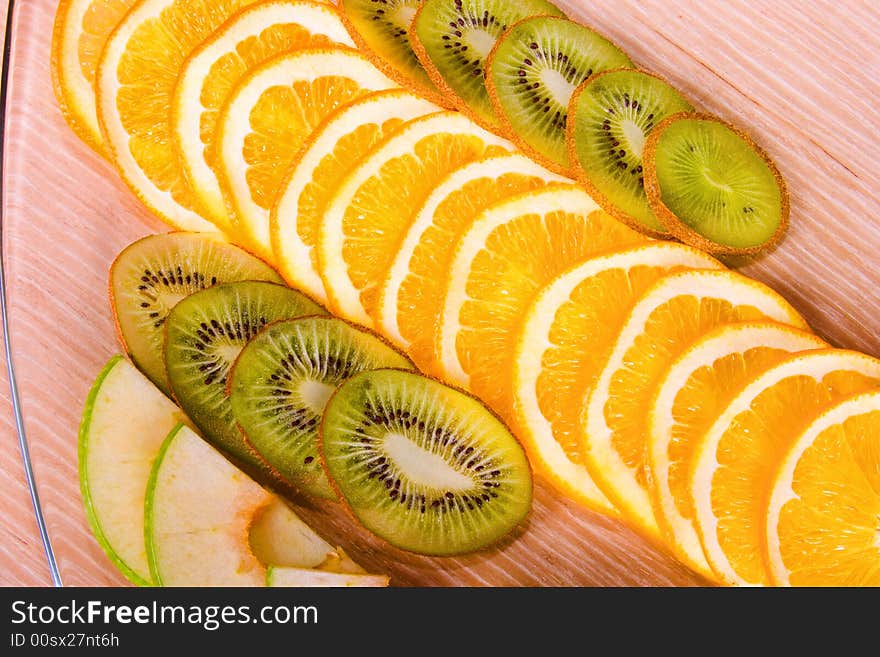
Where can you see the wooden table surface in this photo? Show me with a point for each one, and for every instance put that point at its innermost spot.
(802, 76)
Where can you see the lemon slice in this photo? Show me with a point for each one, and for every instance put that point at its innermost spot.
(502, 260)
(329, 155)
(409, 302)
(689, 397)
(376, 203)
(136, 77)
(824, 519)
(737, 458)
(81, 29)
(210, 73)
(268, 118)
(567, 333)
(670, 316)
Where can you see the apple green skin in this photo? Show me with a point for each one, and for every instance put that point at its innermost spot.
(82, 451)
(148, 506)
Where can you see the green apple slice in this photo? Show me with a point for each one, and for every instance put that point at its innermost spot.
(209, 524)
(278, 576)
(124, 422)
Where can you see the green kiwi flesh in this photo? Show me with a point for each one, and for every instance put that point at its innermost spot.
(453, 39)
(422, 465)
(383, 26)
(612, 115)
(204, 334)
(714, 187)
(282, 380)
(150, 276)
(532, 73)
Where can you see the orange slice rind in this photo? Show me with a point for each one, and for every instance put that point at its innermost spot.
(376, 203)
(566, 335)
(212, 70)
(689, 396)
(410, 297)
(329, 155)
(267, 119)
(667, 319)
(823, 525)
(737, 457)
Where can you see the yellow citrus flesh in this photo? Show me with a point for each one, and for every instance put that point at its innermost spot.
(376, 203)
(823, 526)
(81, 29)
(251, 37)
(409, 302)
(268, 118)
(329, 155)
(501, 262)
(689, 397)
(674, 313)
(567, 334)
(136, 77)
(738, 456)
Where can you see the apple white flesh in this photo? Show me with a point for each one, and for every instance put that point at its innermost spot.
(125, 420)
(209, 524)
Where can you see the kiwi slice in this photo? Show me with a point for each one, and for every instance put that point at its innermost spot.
(533, 71)
(422, 465)
(380, 28)
(453, 39)
(282, 380)
(151, 275)
(713, 187)
(611, 117)
(204, 334)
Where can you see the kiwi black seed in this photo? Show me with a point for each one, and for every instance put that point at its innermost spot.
(453, 39)
(533, 71)
(611, 116)
(281, 382)
(381, 28)
(151, 275)
(204, 334)
(713, 187)
(422, 465)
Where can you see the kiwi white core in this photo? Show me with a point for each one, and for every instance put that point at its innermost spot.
(315, 394)
(422, 467)
(480, 41)
(405, 14)
(556, 84)
(634, 136)
(228, 352)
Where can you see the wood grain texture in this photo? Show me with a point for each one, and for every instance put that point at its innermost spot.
(800, 76)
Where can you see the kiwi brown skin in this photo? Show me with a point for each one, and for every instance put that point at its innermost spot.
(676, 226)
(350, 511)
(585, 182)
(508, 131)
(393, 72)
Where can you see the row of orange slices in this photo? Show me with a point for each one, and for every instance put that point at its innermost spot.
(643, 377)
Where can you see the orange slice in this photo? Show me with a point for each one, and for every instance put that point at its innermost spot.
(136, 77)
(80, 32)
(249, 38)
(501, 262)
(376, 204)
(329, 155)
(567, 334)
(823, 527)
(738, 456)
(689, 397)
(409, 302)
(675, 312)
(268, 118)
